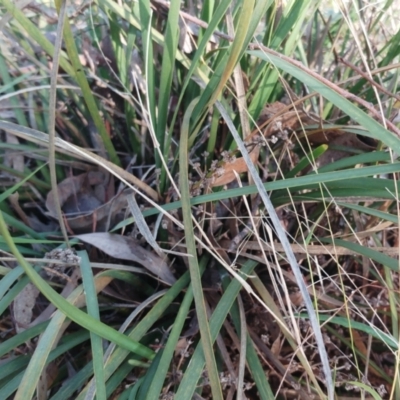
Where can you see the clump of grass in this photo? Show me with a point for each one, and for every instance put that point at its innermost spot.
(251, 149)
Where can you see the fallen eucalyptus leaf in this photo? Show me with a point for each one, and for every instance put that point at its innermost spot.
(126, 248)
(83, 200)
(23, 307)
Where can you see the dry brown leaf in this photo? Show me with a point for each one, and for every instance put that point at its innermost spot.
(14, 159)
(296, 298)
(78, 194)
(282, 120)
(126, 248)
(181, 346)
(359, 343)
(277, 346)
(23, 307)
(46, 380)
(226, 173)
(348, 140)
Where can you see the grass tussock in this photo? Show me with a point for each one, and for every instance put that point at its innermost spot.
(199, 200)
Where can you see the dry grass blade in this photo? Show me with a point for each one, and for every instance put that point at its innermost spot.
(52, 117)
(192, 260)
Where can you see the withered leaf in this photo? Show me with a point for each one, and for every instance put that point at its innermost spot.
(227, 173)
(347, 141)
(126, 248)
(23, 307)
(77, 194)
(82, 199)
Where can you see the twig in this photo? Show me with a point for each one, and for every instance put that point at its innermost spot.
(368, 78)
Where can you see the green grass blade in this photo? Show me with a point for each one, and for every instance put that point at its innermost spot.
(370, 211)
(370, 330)
(19, 226)
(142, 328)
(365, 251)
(76, 71)
(351, 175)
(35, 34)
(93, 310)
(265, 83)
(167, 73)
(307, 160)
(8, 85)
(12, 292)
(253, 361)
(148, 60)
(8, 386)
(14, 188)
(51, 123)
(192, 259)
(47, 341)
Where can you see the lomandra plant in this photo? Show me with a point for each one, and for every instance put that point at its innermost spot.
(199, 200)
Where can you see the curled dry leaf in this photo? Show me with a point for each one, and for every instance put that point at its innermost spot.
(83, 200)
(283, 118)
(126, 248)
(348, 141)
(78, 194)
(224, 172)
(280, 119)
